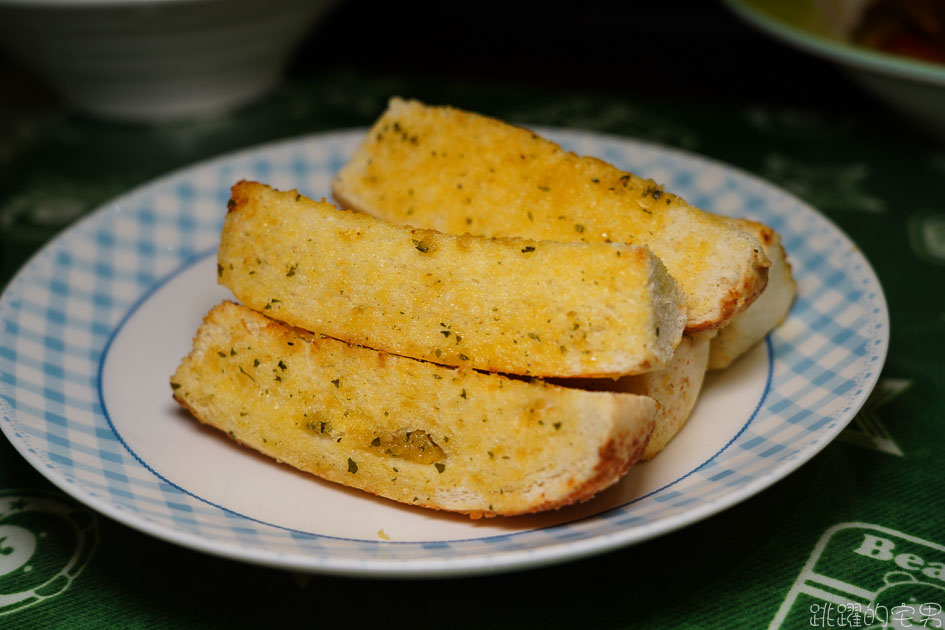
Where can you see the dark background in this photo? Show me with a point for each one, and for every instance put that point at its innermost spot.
(678, 49)
(694, 50)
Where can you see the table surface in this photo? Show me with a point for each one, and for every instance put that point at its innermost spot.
(686, 75)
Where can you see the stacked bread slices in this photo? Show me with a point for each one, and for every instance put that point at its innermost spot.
(494, 327)
(456, 171)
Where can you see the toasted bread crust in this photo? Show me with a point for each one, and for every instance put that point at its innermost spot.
(502, 305)
(767, 311)
(422, 434)
(457, 172)
(675, 388)
(613, 465)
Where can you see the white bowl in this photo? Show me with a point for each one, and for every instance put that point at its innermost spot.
(147, 60)
(915, 88)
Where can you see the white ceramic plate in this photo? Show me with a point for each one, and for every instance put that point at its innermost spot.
(95, 323)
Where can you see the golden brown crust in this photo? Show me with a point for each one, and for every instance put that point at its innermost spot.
(454, 171)
(613, 465)
(502, 305)
(737, 300)
(766, 312)
(675, 387)
(616, 458)
(418, 433)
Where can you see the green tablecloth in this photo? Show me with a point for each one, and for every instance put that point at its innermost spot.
(880, 181)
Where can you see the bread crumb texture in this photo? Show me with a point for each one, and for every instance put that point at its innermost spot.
(764, 314)
(676, 388)
(506, 305)
(456, 172)
(422, 434)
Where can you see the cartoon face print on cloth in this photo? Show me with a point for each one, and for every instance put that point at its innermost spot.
(906, 602)
(45, 543)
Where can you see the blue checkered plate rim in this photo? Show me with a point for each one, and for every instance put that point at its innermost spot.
(95, 323)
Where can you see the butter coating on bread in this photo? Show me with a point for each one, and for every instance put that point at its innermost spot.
(423, 434)
(766, 312)
(501, 305)
(456, 172)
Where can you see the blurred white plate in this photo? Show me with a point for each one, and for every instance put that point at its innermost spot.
(914, 87)
(154, 60)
